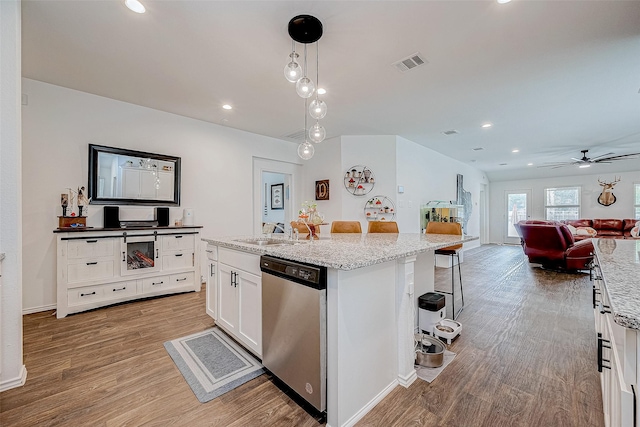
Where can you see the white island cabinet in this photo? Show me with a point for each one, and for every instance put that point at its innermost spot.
(373, 282)
(102, 267)
(240, 297)
(616, 302)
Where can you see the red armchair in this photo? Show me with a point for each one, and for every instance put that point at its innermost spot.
(551, 244)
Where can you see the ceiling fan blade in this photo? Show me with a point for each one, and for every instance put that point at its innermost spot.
(602, 155)
(620, 157)
(578, 160)
(554, 165)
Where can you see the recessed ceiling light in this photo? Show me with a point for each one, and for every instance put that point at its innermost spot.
(515, 151)
(321, 91)
(486, 125)
(529, 164)
(227, 107)
(135, 6)
(503, 1)
(584, 166)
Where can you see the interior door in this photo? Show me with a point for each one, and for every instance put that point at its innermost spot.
(517, 208)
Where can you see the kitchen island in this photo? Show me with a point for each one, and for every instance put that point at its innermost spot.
(373, 281)
(616, 302)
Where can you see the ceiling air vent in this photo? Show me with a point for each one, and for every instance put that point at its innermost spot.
(450, 132)
(410, 62)
(297, 135)
(478, 149)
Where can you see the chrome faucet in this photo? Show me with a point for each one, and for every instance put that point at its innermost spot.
(275, 226)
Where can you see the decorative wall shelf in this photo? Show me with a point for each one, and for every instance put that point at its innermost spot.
(359, 180)
(380, 208)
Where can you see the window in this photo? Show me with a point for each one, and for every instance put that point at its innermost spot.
(563, 203)
(636, 188)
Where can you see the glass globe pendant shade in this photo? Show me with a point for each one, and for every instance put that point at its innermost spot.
(305, 87)
(317, 109)
(293, 70)
(305, 150)
(317, 133)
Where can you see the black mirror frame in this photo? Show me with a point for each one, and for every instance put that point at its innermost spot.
(93, 177)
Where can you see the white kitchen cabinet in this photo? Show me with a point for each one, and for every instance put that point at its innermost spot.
(240, 297)
(618, 352)
(98, 268)
(212, 281)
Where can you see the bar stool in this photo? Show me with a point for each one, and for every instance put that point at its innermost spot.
(346, 227)
(383, 227)
(453, 228)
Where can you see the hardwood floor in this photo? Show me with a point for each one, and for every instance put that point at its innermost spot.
(526, 358)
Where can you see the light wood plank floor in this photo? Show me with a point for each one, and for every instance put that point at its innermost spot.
(526, 358)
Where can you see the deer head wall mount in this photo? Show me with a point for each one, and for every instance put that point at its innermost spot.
(607, 197)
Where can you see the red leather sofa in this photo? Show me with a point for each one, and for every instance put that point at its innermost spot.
(551, 244)
(605, 228)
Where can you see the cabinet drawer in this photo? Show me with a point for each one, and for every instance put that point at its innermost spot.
(177, 260)
(162, 283)
(119, 290)
(89, 271)
(178, 242)
(84, 295)
(212, 252)
(90, 248)
(240, 260)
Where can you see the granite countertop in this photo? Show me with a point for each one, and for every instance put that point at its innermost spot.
(347, 251)
(86, 229)
(620, 264)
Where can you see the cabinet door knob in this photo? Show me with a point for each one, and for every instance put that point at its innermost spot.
(85, 295)
(92, 241)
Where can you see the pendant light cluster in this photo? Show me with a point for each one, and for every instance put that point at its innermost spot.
(306, 29)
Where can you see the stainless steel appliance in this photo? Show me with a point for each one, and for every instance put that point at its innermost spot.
(294, 327)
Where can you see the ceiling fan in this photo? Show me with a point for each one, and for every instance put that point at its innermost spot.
(588, 161)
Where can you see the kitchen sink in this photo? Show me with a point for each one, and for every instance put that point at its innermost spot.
(265, 241)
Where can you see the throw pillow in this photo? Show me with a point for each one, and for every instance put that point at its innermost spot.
(572, 229)
(586, 231)
(635, 231)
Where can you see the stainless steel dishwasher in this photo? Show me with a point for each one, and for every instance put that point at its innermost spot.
(294, 327)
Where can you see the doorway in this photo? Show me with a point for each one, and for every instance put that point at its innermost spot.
(517, 208)
(274, 192)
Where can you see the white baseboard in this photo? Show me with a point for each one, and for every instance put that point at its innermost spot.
(406, 381)
(369, 406)
(38, 309)
(15, 382)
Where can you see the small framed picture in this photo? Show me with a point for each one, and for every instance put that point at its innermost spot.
(277, 196)
(322, 189)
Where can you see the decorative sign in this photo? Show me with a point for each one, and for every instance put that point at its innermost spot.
(322, 189)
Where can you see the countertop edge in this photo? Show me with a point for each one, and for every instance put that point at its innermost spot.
(228, 242)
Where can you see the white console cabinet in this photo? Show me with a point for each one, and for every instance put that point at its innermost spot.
(240, 297)
(98, 268)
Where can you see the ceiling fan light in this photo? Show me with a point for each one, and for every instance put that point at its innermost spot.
(584, 166)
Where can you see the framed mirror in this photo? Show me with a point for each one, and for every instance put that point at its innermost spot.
(127, 177)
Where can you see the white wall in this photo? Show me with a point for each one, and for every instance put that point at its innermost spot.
(427, 175)
(377, 153)
(622, 208)
(58, 125)
(271, 215)
(325, 164)
(12, 370)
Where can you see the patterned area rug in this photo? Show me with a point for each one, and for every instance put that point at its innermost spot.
(211, 363)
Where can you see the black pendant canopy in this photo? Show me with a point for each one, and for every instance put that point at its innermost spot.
(305, 29)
